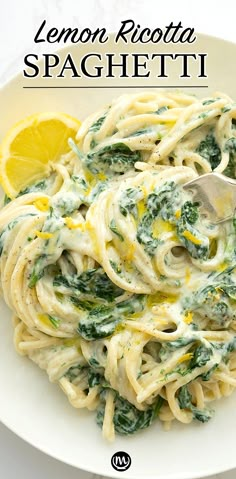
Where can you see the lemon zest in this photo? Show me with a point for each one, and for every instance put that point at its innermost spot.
(188, 318)
(42, 204)
(141, 208)
(130, 254)
(101, 176)
(73, 226)
(185, 357)
(189, 236)
(187, 275)
(44, 234)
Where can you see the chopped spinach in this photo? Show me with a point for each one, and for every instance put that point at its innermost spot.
(161, 110)
(97, 190)
(184, 398)
(226, 108)
(209, 149)
(93, 363)
(128, 201)
(215, 301)
(94, 378)
(40, 186)
(100, 323)
(115, 158)
(144, 131)
(161, 202)
(74, 371)
(127, 418)
(98, 123)
(230, 146)
(115, 266)
(114, 229)
(196, 243)
(201, 356)
(168, 346)
(206, 376)
(145, 236)
(82, 303)
(185, 402)
(93, 282)
(102, 320)
(55, 321)
(6, 200)
(208, 102)
(38, 271)
(202, 415)
(190, 212)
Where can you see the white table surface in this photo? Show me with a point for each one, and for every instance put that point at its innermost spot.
(19, 21)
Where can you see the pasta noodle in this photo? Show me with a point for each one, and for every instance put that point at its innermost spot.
(122, 289)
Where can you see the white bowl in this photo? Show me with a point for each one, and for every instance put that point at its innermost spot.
(36, 410)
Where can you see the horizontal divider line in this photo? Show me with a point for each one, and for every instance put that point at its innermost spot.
(118, 86)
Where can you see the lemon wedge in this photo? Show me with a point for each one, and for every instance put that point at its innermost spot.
(30, 146)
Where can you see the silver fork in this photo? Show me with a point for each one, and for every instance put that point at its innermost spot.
(216, 194)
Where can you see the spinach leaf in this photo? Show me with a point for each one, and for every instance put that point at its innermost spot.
(40, 186)
(145, 236)
(55, 321)
(100, 323)
(184, 398)
(38, 271)
(201, 356)
(209, 149)
(93, 282)
(115, 266)
(144, 131)
(93, 362)
(226, 108)
(115, 158)
(94, 378)
(82, 303)
(230, 146)
(127, 418)
(196, 243)
(102, 320)
(185, 402)
(98, 123)
(169, 346)
(74, 371)
(179, 343)
(128, 201)
(114, 229)
(6, 200)
(190, 212)
(161, 202)
(202, 415)
(215, 301)
(161, 110)
(206, 376)
(208, 102)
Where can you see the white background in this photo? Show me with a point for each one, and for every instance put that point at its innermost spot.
(19, 22)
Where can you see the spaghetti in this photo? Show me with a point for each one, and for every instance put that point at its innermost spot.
(122, 291)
